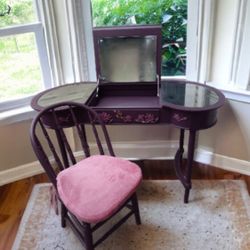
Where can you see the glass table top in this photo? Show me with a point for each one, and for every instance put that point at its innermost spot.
(77, 92)
(176, 94)
(189, 95)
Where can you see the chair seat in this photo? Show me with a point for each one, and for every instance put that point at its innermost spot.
(96, 187)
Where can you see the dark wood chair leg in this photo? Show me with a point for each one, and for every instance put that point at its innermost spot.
(63, 215)
(88, 238)
(136, 209)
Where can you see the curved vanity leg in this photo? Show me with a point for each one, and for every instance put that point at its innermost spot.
(190, 157)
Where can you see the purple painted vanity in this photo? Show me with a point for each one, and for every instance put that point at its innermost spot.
(129, 90)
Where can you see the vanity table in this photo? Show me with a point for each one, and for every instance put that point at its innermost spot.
(129, 91)
(187, 105)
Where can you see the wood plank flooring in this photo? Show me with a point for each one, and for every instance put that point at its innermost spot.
(14, 196)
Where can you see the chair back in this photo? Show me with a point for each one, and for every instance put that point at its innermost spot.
(56, 130)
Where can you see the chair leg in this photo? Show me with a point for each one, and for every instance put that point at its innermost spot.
(63, 215)
(88, 238)
(136, 209)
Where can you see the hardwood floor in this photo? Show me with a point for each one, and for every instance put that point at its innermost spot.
(14, 196)
(158, 170)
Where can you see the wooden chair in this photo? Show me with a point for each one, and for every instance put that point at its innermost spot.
(94, 189)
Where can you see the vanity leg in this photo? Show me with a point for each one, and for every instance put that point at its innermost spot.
(178, 161)
(190, 156)
(181, 142)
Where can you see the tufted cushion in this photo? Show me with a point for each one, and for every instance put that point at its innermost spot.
(97, 186)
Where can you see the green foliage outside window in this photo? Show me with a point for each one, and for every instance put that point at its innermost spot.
(171, 14)
(19, 66)
(16, 12)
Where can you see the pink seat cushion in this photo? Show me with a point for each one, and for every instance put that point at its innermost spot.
(97, 186)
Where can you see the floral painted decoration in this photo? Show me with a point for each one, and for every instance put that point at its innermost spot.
(120, 117)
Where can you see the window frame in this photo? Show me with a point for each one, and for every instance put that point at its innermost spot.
(201, 30)
(37, 29)
(240, 72)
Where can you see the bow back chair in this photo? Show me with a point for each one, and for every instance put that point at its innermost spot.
(91, 190)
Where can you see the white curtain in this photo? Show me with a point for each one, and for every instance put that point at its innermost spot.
(75, 25)
(46, 15)
(63, 24)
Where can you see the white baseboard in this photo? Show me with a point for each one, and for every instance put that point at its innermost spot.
(146, 149)
(140, 150)
(20, 172)
(222, 161)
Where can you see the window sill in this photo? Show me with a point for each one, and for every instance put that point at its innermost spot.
(232, 93)
(16, 115)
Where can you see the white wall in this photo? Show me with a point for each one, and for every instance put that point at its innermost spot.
(229, 137)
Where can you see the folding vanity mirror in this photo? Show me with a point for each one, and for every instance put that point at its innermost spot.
(127, 59)
(128, 66)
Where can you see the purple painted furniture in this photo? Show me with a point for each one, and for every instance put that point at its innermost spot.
(129, 90)
(91, 190)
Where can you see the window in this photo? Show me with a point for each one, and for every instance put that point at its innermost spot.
(219, 45)
(215, 46)
(24, 69)
(172, 15)
(215, 49)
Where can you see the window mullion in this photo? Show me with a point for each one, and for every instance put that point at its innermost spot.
(206, 40)
(241, 67)
(199, 39)
(192, 40)
(43, 57)
(20, 29)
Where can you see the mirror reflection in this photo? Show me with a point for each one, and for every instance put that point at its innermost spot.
(128, 59)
